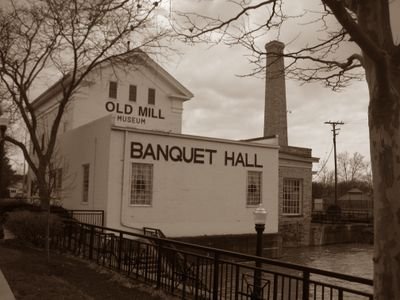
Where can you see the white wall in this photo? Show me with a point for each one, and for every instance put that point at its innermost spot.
(94, 99)
(191, 199)
(88, 144)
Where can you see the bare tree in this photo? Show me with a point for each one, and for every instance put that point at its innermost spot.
(359, 25)
(325, 176)
(66, 39)
(352, 168)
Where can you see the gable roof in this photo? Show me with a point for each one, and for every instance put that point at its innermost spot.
(354, 191)
(184, 95)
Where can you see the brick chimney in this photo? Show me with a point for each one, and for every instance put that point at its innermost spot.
(275, 111)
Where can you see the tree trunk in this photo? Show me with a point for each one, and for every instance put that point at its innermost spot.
(384, 117)
(44, 196)
(43, 184)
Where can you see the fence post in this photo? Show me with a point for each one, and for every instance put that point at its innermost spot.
(91, 242)
(275, 291)
(340, 294)
(120, 240)
(69, 236)
(159, 263)
(83, 239)
(306, 285)
(216, 276)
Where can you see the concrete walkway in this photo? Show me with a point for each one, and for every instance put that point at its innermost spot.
(5, 291)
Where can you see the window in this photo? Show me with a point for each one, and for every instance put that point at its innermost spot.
(141, 184)
(292, 196)
(112, 92)
(132, 93)
(253, 187)
(85, 183)
(152, 96)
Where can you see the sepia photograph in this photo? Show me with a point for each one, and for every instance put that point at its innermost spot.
(200, 149)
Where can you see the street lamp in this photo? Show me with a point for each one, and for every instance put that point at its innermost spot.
(260, 217)
(3, 127)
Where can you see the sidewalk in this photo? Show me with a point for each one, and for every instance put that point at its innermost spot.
(5, 291)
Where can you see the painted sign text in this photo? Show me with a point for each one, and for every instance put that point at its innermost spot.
(136, 115)
(195, 155)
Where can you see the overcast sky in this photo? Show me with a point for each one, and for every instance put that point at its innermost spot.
(228, 106)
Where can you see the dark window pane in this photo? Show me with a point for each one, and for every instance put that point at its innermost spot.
(112, 92)
(132, 93)
(152, 96)
(85, 183)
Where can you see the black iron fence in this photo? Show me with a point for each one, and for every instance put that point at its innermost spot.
(196, 272)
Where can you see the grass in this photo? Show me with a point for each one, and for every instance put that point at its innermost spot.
(64, 277)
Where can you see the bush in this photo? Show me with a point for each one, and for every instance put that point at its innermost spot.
(334, 210)
(11, 204)
(31, 226)
(334, 213)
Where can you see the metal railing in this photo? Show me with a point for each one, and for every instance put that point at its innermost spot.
(92, 217)
(197, 272)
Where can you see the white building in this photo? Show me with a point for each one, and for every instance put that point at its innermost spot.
(121, 150)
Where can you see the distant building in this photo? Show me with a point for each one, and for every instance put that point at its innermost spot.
(122, 151)
(356, 200)
(17, 189)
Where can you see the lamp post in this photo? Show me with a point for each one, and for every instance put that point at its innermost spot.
(3, 127)
(260, 217)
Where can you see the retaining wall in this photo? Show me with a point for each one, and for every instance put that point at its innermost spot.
(325, 234)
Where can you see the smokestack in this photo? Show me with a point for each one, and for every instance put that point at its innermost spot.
(275, 119)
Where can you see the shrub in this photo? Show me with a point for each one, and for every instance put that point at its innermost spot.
(31, 226)
(333, 213)
(334, 210)
(11, 204)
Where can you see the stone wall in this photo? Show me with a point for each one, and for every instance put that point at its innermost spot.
(325, 234)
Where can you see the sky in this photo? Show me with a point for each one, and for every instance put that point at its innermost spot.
(228, 106)
(232, 107)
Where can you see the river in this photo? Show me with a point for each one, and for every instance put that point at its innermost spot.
(352, 259)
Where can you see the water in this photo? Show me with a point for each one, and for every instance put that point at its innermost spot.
(351, 259)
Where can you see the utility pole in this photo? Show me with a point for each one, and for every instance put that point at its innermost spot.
(334, 130)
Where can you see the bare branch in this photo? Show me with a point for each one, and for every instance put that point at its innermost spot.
(71, 39)
(24, 151)
(356, 33)
(216, 24)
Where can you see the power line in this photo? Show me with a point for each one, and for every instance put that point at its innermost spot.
(334, 132)
(325, 161)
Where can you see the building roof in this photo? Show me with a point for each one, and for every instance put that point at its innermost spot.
(354, 191)
(131, 55)
(355, 194)
(288, 152)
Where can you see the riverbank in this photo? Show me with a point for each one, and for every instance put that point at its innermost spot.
(64, 277)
